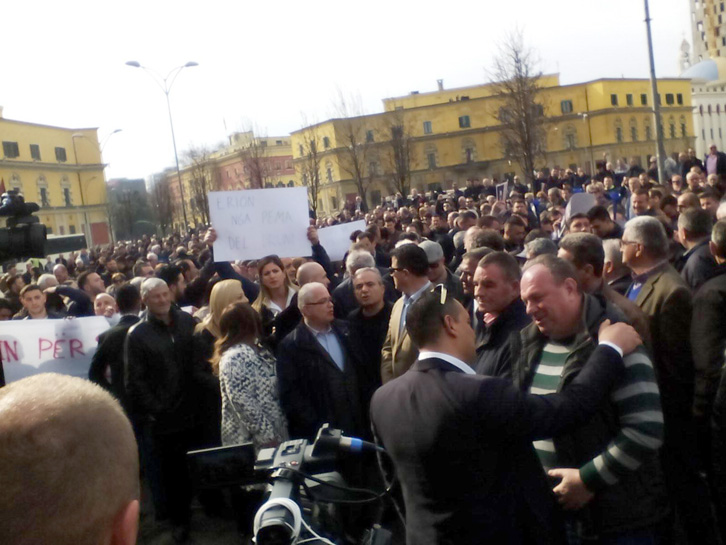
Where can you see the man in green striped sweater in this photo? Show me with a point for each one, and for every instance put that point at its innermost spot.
(606, 473)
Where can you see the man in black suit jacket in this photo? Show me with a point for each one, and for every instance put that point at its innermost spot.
(109, 356)
(317, 372)
(461, 444)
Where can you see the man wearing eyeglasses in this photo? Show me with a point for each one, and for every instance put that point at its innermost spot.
(317, 371)
(409, 268)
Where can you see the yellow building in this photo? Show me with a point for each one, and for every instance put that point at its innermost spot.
(454, 136)
(61, 170)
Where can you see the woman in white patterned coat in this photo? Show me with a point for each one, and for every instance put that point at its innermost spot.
(247, 376)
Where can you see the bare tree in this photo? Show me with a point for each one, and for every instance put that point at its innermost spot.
(162, 203)
(400, 152)
(355, 141)
(310, 163)
(521, 113)
(253, 154)
(203, 179)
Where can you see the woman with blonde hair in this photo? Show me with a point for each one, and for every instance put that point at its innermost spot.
(276, 293)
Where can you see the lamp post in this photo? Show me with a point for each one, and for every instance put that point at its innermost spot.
(78, 174)
(165, 84)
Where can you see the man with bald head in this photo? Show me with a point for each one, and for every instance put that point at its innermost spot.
(61, 274)
(70, 470)
(317, 371)
(312, 272)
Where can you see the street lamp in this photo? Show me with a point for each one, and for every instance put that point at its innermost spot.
(165, 84)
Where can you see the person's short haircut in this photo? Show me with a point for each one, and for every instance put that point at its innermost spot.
(709, 193)
(641, 191)
(648, 232)
(366, 235)
(358, 259)
(613, 254)
(4, 303)
(718, 237)
(488, 221)
(83, 279)
(598, 213)
(668, 200)
(150, 284)
(371, 270)
(506, 262)
(487, 238)
(690, 200)
(696, 222)
(540, 246)
(425, 317)
(69, 461)
(586, 249)
(139, 266)
(184, 264)
(561, 269)
(29, 287)
(476, 254)
(304, 295)
(169, 274)
(515, 220)
(411, 258)
(468, 215)
(47, 280)
(128, 298)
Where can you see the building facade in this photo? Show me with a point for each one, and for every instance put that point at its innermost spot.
(452, 136)
(61, 170)
(708, 29)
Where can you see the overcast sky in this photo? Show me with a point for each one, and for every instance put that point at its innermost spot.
(271, 62)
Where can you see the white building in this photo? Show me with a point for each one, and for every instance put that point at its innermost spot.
(708, 85)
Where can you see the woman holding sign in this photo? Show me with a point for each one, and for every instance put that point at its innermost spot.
(276, 293)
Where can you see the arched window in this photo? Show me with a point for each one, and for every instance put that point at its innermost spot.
(329, 171)
(432, 156)
(671, 127)
(468, 150)
(15, 183)
(618, 130)
(43, 194)
(633, 129)
(648, 130)
(684, 126)
(569, 137)
(66, 192)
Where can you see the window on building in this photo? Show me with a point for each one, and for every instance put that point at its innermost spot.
(60, 155)
(684, 129)
(334, 202)
(538, 110)
(629, 99)
(613, 100)
(570, 141)
(711, 134)
(375, 197)
(300, 149)
(672, 129)
(431, 158)
(326, 142)
(619, 134)
(72, 229)
(369, 136)
(35, 152)
(44, 197)
(468, 155)
(372, 168)
(566, 106)
(278, 142)
(329, 174)
(464, 122)
(679, 99)
(427, 128)
(10, 150)
(643, 99)
(67, 196)
(634, 133)
(648, 132)
(669, 99)
(62, 230)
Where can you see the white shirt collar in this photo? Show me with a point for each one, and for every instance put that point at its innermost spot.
(456, 362)
(276, 308)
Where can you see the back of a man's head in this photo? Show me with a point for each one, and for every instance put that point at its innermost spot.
(696, 222)
(69, 464)
(412, 258)
(128, 299)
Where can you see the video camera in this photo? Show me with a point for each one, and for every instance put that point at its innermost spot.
(25, 236)
(293, 465)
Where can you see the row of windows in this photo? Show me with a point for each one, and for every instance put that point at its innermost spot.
(709, 110)
(11, 151)
(670, 99)
(672, 131)
(43, 193)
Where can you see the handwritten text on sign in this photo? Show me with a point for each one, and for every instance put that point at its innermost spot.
(254, 223)
(29, 347)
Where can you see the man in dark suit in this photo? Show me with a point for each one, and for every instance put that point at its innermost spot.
(665, 299)
(694, 231)
(461, 443)
(317, 371)
(108, 360)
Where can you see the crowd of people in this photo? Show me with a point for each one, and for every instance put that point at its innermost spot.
(590, 432)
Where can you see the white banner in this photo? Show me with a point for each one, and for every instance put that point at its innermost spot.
(253, 223)
(29, 347)
(336, 239)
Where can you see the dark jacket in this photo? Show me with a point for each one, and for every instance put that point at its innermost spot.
(638, 499)
(492, 350)
(720, 163)
(462, 450)
(110, 355)
(697, 265)
(163, 372)
(708, 339)
(344, 300)
(313, 390)
(621, 284)
(80, 304)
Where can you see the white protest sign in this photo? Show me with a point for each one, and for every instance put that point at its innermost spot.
(336, 239)
(29, 347)
(253, 223)
(502, 191)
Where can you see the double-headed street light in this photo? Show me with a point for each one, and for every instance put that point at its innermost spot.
(165, 84)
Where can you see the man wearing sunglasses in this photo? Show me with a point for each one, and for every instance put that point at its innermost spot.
(461, 443)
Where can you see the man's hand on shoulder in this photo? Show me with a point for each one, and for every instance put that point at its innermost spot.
(621, 335)
(572, 494)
